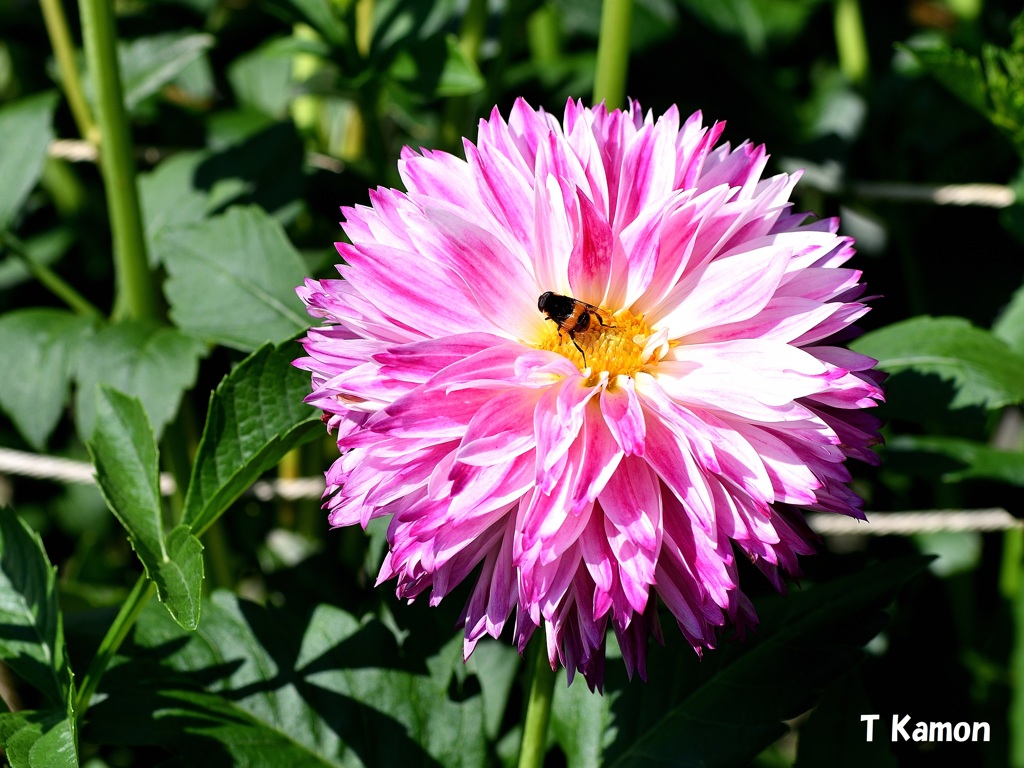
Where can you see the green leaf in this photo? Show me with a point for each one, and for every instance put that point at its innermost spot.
(150, 63)
(399, 24)
(321, 689)
(496, 664)
(32, 739)
(232, 279)
(992, 85)
(180, 577)
(437, 68)
(256, 415)
(983, 368)
(262, 79)
(31, 629)
(978, 460)
(35, 367)
(170, 197)
(727, 708)
(1009, 326)
(124, 451)
(958, 71)
(151, 362)
(323, 16)
(27, 129)
(263, 169)
(757, 22)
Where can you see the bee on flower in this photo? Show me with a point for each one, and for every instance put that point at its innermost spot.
(679, 399)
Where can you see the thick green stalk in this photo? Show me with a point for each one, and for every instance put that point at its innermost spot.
(544, 36)
(538, 708)
(613, 53)
(474, 26)
(136, 292)
(1010, 585)
(64, 51)
(122, 625)
(851, 44)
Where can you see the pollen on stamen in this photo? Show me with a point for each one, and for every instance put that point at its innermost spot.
(616, 347)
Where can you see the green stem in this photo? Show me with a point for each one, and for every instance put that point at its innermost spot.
(136, 290)
(613, 53)
(538, 708)
(474, 26)
(53, 282)
(123, 623)
(544, 36)
(1011, 588)
(64, 51)
(1013, 556)
(851, 44)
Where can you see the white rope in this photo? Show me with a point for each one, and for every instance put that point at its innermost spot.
(59, 470)
(987, 195)
(289, 489)
(878, 523)
(906, 523)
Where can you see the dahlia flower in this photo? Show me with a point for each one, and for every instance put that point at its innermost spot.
(586, 367)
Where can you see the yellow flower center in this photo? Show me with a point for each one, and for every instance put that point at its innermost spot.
(616, 346)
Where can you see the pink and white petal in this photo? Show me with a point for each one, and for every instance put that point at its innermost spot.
(819, 284)
(501, 429)
(554, 234)
(441, 178)
(600, 562)
(782, 319)
(494, 595)
(528, 129)
(632, 505)
(581, 137)
(550, 521)
(501, 286)
(688, 217)
(590, 264)
(792, 480)
(728, 290)
(839, 322)
(741, 167)
(430, 414)
(338, 302)
(435, 304)
(599, 457)
(623, 415)
(493, 368)
(648, 168)
(557, 421)
(417, 361)
(693, 145)
(507, 192)
(764, 371)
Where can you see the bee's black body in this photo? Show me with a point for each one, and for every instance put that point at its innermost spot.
(571, 315)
